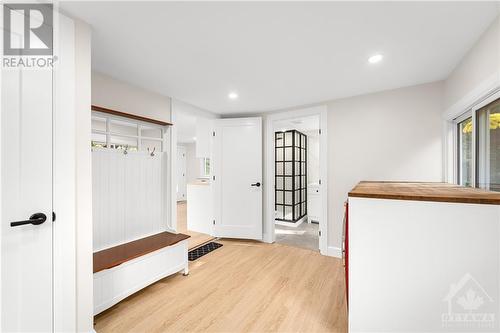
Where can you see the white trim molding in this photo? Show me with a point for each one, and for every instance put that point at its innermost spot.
(488, 87)
(334, 251)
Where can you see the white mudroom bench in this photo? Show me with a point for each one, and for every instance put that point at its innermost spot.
(125, 269)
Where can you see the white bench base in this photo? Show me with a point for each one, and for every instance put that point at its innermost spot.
(114, 284)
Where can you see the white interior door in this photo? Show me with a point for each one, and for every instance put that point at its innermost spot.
(181, 173)
(237, 163)
(26, 190)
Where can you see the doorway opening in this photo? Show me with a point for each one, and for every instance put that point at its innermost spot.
(194, 196)
(297, 175)
(296, 169)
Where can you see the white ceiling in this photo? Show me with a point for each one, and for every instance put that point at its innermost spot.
(279, 54)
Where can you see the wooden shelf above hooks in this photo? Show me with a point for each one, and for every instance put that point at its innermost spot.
(129, 115)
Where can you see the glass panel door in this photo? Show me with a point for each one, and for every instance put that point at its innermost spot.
(488, 146)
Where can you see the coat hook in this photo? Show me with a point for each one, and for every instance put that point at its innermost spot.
(125, 152)
(153, 152)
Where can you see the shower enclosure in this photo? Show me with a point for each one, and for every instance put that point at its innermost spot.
(290, 176)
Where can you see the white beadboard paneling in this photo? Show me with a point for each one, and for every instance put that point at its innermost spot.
(128, 196)
(96, 200)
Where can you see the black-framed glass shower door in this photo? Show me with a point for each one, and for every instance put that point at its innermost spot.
(290, 175)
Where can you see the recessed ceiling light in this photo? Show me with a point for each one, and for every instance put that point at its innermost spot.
(194, 138)
(232, 95)
(375, 58)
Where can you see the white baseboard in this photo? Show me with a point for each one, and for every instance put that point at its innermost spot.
(334, 251)
(291, 224)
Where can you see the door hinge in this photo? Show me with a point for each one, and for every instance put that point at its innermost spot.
(214, 222)
(53, 216)
(213, 177)
(319, 233)
(213, 133)
(320, 131)
(320, 181)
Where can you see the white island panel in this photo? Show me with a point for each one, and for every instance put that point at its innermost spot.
(405, 256)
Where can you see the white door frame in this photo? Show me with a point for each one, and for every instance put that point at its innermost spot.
(73, 275)
(65, 176)
(181, 149)
(172, 176)
(321, 111)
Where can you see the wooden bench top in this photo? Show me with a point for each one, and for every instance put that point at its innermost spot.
(117, 255)
(440, 192)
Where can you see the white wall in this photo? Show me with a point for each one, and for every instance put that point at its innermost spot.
(312, 157)
(193, 168)
(193, 122)
(185, 108)
(391, 135)
(478, 72)
(186, 118)
(475, 77)
(121, 96)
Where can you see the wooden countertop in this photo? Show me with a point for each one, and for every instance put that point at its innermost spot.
(439, 192)
(117, 255)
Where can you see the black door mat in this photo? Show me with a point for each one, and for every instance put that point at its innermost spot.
(202, 250)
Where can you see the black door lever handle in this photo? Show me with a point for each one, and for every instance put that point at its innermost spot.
(256, 184)
(35, 219)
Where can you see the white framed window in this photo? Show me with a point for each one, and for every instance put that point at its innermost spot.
(114, 132)
(477, 145)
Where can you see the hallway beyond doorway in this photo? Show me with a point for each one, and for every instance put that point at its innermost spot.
(304, 236)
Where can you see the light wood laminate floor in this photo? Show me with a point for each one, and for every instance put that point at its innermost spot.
(243, 286)
(197, 238)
